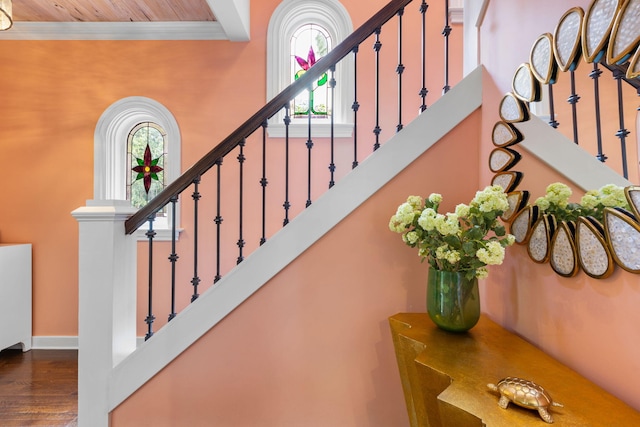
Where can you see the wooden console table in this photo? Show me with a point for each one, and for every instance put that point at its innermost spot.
(445, 376)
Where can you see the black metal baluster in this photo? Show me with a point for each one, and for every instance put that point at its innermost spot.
(400, 70)
(376, 130)
(445, 32)
(218, 220)
(264, 182)
(196, 279)
(355, 106)
(552, 115)
(332, 86)
(286, 204)
(622, 133)
(573, 100)
(173, 258)
(595, 75)
(150, 317)
(309, 147)
(423, 92)
(241, 160)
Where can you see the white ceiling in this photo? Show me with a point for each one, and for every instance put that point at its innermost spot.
(129, 20)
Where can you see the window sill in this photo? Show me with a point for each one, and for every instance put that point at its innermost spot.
(318, 130)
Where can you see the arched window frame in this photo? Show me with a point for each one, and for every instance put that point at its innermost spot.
(286, 19)
(110, 151)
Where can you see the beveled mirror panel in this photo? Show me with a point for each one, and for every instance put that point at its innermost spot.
(507, 180)
(563, 257)
(502, 159)
(633, 197)
(566, 38)
(623, 234)
(525, 86)
(596, 28)
(522, 222)
(517, 201)
(594, 254)
(634, 65)
(543, 63)
(513, 110)
(505, 134)
(625, 34)
(539, 244)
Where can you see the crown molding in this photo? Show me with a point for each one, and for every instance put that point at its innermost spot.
(208, 30)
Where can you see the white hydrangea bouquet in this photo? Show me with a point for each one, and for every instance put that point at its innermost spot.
(466, 240)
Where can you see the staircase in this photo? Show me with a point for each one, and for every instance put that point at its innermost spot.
(303, 353)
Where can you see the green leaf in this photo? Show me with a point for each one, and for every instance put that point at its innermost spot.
(469, 248)
(452, 241)
(475, 233)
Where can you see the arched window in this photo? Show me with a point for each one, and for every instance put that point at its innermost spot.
(120, 142)
(291, 22)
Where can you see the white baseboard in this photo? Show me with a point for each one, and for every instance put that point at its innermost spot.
(60, 343)
(54, 343)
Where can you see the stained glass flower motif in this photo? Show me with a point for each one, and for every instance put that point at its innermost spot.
(147, 169)
(305, 64)
(308, 63)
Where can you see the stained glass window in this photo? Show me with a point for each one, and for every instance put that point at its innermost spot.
(309, 43)
(146, 155)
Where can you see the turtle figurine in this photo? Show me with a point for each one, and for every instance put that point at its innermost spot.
(526, 394)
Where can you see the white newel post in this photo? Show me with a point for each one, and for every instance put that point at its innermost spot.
(106, 303)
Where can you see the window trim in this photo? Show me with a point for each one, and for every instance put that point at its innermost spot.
(110, 150)
(286, 19)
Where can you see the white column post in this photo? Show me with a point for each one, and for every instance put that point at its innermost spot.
(106, 303)
(474, 11)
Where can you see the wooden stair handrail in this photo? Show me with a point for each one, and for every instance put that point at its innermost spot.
(270, 109)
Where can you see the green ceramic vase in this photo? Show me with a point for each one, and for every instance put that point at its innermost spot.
(453, 303)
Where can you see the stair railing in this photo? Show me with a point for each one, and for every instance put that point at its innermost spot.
(253, 133)
(611, 135)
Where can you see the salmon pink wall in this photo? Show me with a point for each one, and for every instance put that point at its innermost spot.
(585, 323)
(54, 92)
(313, 346)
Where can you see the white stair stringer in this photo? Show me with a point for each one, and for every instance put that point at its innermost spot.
(288, 243)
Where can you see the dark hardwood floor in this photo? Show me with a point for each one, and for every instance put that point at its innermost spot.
(38, 388)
